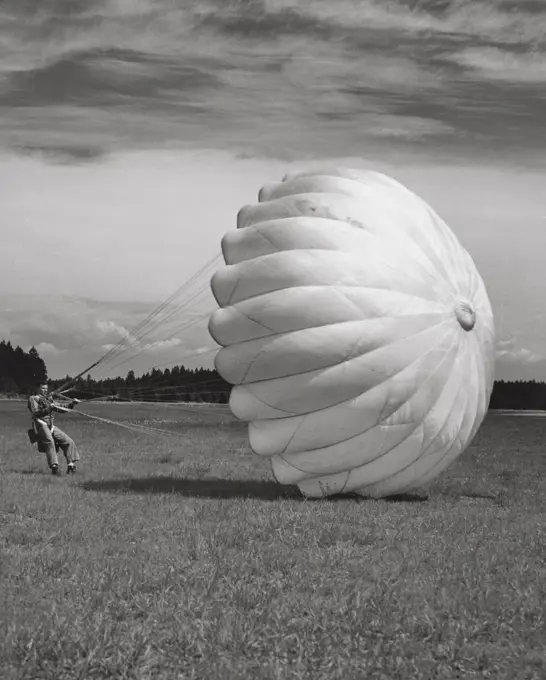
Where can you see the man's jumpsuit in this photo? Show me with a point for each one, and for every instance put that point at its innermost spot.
(50, 437)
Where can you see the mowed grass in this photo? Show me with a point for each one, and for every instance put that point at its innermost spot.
(180, 557)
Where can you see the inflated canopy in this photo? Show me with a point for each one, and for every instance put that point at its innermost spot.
(356, 331)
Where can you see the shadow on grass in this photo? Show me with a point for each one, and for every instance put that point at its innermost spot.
(29, 472)
(197, 488)
(222, 488)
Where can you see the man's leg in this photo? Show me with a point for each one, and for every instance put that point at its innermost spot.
(45, 438)
(67, 446)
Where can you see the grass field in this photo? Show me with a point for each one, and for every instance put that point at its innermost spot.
(181, 558)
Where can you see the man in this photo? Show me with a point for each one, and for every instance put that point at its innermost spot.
(50, 438)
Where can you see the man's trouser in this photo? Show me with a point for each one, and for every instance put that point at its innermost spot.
(49, 440)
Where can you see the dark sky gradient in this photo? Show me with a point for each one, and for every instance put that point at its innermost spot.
(282, 78)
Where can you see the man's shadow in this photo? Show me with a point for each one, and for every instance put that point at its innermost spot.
(222, 488)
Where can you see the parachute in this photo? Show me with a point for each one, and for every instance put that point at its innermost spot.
(356, 331)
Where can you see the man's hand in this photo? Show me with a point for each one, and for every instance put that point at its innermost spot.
(62, 407)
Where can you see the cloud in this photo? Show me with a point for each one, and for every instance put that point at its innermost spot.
(520, 357)
(66, 324)
(68, 153)
(111, 328)
(47, 349)
(510, 349)
(161, 345)
(407, 127)
(491, 20)
(495, 64)
(202, 350)
(270, 77)
(108, 347)
(105, 77)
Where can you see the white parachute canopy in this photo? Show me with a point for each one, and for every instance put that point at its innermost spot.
(356, 331)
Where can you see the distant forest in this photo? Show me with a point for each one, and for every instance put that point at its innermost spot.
(20, 372)
(172, 384)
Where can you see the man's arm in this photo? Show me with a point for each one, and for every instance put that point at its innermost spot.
(61, 408)
(61, 399)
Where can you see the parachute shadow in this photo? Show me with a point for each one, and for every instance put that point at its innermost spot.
(196, 488)
(223, 488)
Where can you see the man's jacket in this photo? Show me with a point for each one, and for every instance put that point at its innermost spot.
(42, 408)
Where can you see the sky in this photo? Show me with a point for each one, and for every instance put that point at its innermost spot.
(132, 131)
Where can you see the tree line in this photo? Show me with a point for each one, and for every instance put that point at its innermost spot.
(21, 371)
(520, 395)
(171, 384)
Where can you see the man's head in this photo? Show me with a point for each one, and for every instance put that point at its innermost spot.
(43, 388)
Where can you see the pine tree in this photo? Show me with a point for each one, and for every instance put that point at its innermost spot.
(37, 367)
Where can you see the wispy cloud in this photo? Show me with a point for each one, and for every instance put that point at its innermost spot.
(503, 21)
(511, 350)
(496, 64)
(276, 77)
(47, 350)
